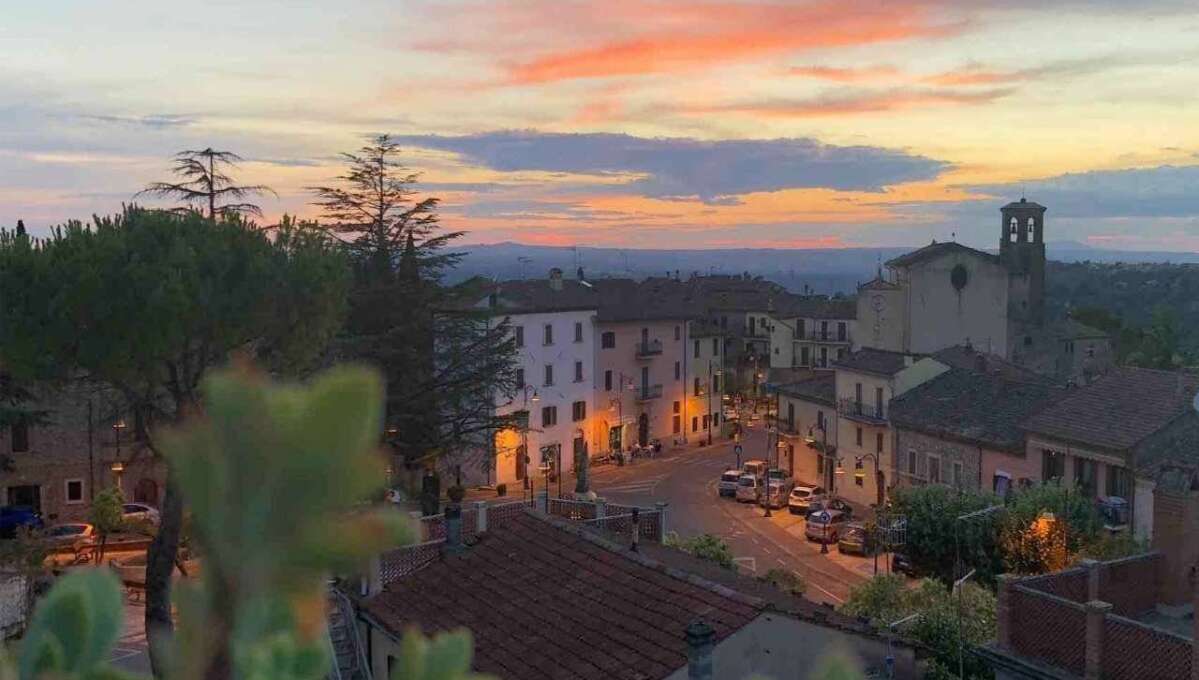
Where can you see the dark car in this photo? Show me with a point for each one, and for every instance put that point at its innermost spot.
(902, 564)
(855, 540)
(13, 517)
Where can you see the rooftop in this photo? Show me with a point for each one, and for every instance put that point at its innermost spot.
(969, 358)
(532, 296)
(935, 250)
(877, 361)
(1119, 410)
(651, 299)
(981, 408)
(548, 600)
(821, 389)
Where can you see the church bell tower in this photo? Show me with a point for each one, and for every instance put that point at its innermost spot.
(1022, 252)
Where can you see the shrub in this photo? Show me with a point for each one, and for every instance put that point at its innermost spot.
(705, 547)
(785, 580)
(934, 535)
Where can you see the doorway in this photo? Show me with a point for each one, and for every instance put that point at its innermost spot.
(643, 429)
(146, 491)
(28, 495)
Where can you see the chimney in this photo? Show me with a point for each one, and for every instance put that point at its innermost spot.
(453, 529)
(555, 279)
(700, 638)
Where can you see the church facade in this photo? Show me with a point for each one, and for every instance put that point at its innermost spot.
(948, 294)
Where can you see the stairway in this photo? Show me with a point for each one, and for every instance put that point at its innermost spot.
(349, 655)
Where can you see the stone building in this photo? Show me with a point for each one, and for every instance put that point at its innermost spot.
(962, 429)
(88, 443)
(947, 294)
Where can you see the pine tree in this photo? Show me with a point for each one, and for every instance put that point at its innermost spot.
(205, 183)
(444, 360)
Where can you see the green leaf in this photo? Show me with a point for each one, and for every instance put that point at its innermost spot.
(74, 627)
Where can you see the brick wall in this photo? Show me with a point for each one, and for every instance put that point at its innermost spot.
(1131, 584)
(1049, 628)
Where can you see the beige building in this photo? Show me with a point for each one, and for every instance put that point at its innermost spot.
(948, 294)
(808, 423)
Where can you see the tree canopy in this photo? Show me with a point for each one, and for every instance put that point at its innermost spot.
(204, 183)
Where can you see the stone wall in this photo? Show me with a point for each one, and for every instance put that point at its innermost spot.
(946, 451)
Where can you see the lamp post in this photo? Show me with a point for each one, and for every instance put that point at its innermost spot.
(531, 395)
(118, 467)
(545, 471)
(960, 581)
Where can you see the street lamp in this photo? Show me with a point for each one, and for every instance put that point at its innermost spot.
(118, 468)
(545, 470)
(530, 394)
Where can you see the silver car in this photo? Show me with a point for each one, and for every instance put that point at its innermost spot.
(777, 489)
(749, 488)
(727, 486)
(802, 498)
(825, 526)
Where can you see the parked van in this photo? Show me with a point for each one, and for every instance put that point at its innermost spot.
(757, 468)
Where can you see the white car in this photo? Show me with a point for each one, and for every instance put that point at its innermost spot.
(802, 497)
(140, 512)
(749, 488)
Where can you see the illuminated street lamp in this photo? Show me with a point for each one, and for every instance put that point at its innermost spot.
(118, 468)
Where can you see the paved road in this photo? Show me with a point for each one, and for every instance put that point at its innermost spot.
(686, 479)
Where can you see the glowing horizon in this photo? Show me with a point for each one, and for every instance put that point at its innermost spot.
(664, 124)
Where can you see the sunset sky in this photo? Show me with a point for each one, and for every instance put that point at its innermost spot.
(664, 124)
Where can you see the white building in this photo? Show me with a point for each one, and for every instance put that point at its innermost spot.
(554, 323)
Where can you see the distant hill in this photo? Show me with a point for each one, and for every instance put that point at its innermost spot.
(821, 270)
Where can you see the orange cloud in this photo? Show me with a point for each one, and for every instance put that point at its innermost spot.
(973, 76)
(860, 103)
(706, 34)
(845, 75)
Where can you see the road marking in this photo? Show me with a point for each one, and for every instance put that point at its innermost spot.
(749, 563)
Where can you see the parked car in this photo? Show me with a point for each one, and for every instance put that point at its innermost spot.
(73, 534)
(777, 489)
(140, 512)
(754, 467)
(802, 496)
(727, 486)
(749, 487)
(855, 540)
(903, 564)
(825, 526)
(831, 504)
(13, 517)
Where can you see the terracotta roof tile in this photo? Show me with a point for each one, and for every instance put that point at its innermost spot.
(1119, 410)
(547, 603)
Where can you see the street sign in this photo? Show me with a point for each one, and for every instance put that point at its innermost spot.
(737, 449)
(824, 516)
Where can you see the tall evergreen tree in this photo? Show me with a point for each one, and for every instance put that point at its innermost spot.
(204, 182)
(444, 359)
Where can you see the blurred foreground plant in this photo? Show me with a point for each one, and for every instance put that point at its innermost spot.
(274, 476)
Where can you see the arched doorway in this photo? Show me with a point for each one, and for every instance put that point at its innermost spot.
(146, 492)
(643, 429)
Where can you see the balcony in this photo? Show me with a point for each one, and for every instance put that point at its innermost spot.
(648, 392)
(866, 413)
(831, 336)
(647, 350)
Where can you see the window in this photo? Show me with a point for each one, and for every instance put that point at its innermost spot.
(820, 420)
(791, 416)
(857, 395)
(697, 349)
(677, 406)
(1013, 229)
(678, 370)
(694, 423)
(824, 357)
(1053, 465)
(677, 424)
(1118, 481)
(549, 375)
(878, 401)
(715, 347)
(716, 384)
(520, 378)
(706, 420)
(715, 419)
(74, 491)
(799, 327)
(842, 331)
(549, 334)
(912, 462)
(878, 443)
(859, 474)
(578, 411)
(1032, 227)
(520, 335)
(607, 340)
(859, 436)
(1086, 475)
(752, 322)
(697, 388)
(607, 381)
(578, 371)
(824, 330)
(578, 331)
(957, 475)
(678, 333)
(20, 437)
(549, 416)
(934, 470)
(805, 356)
